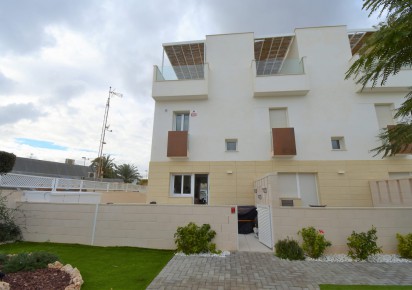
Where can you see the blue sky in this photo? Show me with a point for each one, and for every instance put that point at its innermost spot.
(59, 58)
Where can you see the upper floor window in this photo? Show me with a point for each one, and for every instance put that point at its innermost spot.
(384, 114)
(278, 118)
(338, 143)
(231, 144)
(181, 122)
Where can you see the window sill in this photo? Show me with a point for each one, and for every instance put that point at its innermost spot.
(181, 195)
(232, 151)
(338, 150)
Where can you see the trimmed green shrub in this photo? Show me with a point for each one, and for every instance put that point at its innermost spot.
(28, 262)
(405, 245)
(314, 242)
(193, 239)
(7, 161)
(362, 245)
(9, 231)
(289, 249)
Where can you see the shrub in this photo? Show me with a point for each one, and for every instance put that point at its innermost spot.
(193, 239)
(28, 262)
(7, 161)
(314, 242)
(9, 231)
(289, 249)
(362, 245)
(405, 245)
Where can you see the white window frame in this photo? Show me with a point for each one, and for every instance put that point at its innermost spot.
(181, 115)
(181, 194)
(341, 140)
(231, 141)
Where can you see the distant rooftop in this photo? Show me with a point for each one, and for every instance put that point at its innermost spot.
(30, 166)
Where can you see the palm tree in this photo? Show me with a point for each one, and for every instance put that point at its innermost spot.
(128, 172)
(385, 53)
(107, 166)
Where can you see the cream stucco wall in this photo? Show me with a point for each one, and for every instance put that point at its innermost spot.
(350, 188)
(147, 226)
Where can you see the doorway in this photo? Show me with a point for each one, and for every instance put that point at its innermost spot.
(201, 189)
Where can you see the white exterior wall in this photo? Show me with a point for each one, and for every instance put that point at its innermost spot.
(331, 108)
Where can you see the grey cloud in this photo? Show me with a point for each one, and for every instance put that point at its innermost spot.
(23, 22)
(15, 112)
(6, 84)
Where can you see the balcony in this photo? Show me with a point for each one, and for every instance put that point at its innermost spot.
(401, 82)
(280, 78)
(283, 141)
(180, 83)
(177, 144)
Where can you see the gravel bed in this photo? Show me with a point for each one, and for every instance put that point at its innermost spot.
(379, 258)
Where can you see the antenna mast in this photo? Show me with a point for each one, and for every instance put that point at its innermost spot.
(105, 127)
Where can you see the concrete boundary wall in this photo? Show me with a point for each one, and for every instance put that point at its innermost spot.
(136, 225)
(338, 224)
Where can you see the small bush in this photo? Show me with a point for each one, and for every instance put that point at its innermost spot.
(405, 245)
(314, 242)
(28, 262)
(362, 245)
(289, 249)
(193, 239)
(9, 231)
(7, 161)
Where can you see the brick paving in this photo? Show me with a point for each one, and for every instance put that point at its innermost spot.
(251, 270)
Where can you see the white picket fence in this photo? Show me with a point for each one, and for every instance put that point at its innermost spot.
(11, 180)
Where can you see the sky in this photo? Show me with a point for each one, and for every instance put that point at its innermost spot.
(58, 60)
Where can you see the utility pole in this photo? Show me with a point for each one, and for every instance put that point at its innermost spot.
(105, 128)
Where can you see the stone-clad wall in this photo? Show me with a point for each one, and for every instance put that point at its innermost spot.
(148, 226)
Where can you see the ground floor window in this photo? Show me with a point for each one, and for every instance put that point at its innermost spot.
(299, 185)
(190, 185)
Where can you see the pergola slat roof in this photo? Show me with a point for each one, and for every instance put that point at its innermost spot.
(270, 53)
(187, 59)
(357, 39)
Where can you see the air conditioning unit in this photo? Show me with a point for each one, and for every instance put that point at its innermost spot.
(90, 174)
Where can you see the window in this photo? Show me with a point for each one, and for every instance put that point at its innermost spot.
(278, 118)
(301, 186)
(338, 143)
(384, 115)
(182, 184)
(231, 144)
(181, 122)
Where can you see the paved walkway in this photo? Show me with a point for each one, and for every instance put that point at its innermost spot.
(251, 270)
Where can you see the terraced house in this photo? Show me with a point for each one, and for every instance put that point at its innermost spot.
(238, 116)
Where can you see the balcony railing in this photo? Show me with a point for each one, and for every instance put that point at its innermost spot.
(283, 140)
(185, 72)
(177, 144)
(280, 78)
(401, 82)
(180, 83)
(272, 67)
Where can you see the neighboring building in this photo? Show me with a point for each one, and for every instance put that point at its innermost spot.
(234, 108)
(36, 167)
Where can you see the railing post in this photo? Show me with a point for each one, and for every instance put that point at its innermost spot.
(54, 184)
(81, 185)
(127, 187)
(108, 185)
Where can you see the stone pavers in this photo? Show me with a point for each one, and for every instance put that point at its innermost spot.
(250, 270)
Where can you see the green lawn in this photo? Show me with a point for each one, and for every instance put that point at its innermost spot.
(363, 287)
(116, 268)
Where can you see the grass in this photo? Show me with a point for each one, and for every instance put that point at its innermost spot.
(103, 267)
(363, 287)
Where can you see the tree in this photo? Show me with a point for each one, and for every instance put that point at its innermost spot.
(107, 166)
(7, 161)
(385, 53)
(128, 173)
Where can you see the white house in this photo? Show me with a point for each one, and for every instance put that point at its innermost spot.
(233, 108)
